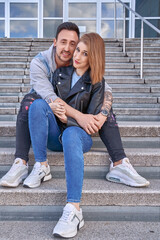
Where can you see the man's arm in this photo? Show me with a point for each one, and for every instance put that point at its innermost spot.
(40, 80)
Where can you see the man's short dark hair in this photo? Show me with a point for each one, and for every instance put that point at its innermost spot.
(67, 26)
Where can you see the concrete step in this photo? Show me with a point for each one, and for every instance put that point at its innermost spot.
(14, 48)
(123, 80)
(95, 192)
(128, 142)
(8, 110)
(13, 65)
(13, 59)
(98, 156)
(9, 99)
(146, 49)
(135, 105)
(15, 44)
(92, 230)
(136, 118)
(14, 53)
(117, 59)
(11, 79)
(135, 100)
(146, 54)
(155, 89)
(130, 88)
(10, 89)
(137, 111)
(119, 66)
(121, 72)
(127, 129)
(94, 172)
(149, 44)
(11, 72)
(146, 59)
(148, 65)
(152, 80)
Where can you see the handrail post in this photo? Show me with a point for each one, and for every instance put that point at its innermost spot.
(115, 19)
(124, 30)
(142, 36)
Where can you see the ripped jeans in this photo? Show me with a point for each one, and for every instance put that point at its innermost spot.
(109, 132)
(23, 140)
(110, 136)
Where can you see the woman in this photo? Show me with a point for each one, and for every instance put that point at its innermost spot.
(82, 87)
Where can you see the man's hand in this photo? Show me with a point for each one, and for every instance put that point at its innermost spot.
(57, 107)
(62, 117)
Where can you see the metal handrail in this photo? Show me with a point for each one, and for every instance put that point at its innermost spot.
(124, 29)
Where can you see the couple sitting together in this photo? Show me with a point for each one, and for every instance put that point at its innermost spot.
(68, 102)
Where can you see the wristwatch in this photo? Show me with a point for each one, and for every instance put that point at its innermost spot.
(104, 112)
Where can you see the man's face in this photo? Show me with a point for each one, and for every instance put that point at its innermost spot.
(65, 45)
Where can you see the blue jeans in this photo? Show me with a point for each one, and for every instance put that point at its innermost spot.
(45, 132)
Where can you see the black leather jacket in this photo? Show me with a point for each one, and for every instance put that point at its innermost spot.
(84, 96)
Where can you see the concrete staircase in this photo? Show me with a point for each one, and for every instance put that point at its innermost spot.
(137, 106)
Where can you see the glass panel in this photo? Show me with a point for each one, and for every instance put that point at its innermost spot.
(148, 32)
(107, 30)
(23, 28)
(148, 8)
(1, 9)
(50, 28)
(108, 10)
(2, 29)
(86, 26)
(53, 8)
(82, 10)
(24, 10)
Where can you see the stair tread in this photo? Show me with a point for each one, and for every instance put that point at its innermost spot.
(95, 192)
(93, 230)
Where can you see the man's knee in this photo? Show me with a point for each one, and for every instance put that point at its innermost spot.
(24, 107)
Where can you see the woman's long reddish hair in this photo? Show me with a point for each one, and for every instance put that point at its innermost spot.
(96, 55)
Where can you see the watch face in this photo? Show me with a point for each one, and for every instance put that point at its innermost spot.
(105, 112)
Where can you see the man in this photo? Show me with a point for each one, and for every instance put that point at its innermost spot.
(41, 70)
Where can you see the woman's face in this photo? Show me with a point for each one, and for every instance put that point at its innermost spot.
(80, 58)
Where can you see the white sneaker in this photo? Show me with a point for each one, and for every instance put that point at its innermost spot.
(17, 173)
(39, 174)
(124, 173)
(70, 222)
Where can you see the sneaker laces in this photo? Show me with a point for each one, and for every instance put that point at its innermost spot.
(66, 216)
(36, 168)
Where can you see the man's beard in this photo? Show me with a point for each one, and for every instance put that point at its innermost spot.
(59, 57)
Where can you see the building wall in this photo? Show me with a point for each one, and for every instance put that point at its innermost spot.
(40, 18)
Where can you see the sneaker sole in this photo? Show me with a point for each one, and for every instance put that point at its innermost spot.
(117, 180)
(15, 184)
(71, 235)
(44, 179)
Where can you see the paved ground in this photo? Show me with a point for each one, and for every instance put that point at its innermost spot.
(11, 230)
